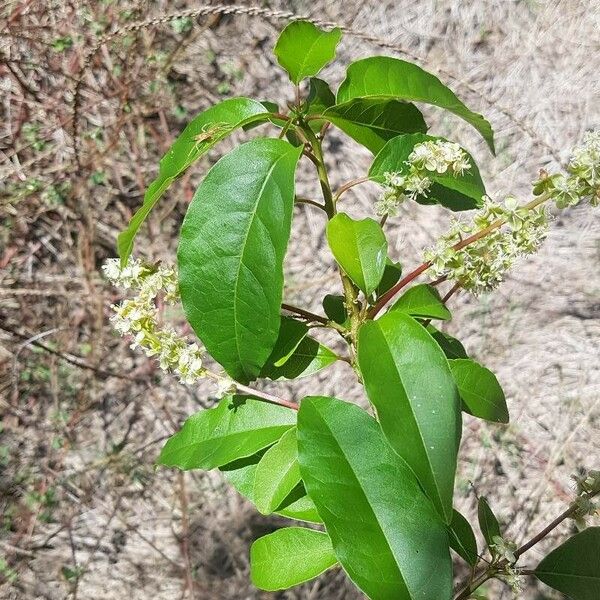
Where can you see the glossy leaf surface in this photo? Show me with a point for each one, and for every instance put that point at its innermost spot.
(288, 557)
(462, 538)
(488, 523)
(386, 77)
(373, 121)
(456, 192)
(231, 250)
(574, 567)
(408, 381)
(303, 49)
(277, 473)
(451, 347)
(385, 532)
(480, 391)
(391, 275)
(200, 135)
(360, 248)
(240, 474)
(238, 427)
(307, 358)
(422, 301)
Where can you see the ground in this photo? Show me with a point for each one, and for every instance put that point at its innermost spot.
(85, 514)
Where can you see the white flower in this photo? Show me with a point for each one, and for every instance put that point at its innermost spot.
(139, 316)
(432, 156)
(481, 265)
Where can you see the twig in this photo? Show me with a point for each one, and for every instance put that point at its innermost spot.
(348, 185)
(493, 569)
(304, 313)
(459, 246)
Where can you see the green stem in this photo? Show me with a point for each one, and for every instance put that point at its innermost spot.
(350, 290)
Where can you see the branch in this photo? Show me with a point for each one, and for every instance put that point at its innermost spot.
(349, 185)
(459, 246)
(493, 569)
(305, 313)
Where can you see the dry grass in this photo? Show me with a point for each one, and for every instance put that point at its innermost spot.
(85, 514)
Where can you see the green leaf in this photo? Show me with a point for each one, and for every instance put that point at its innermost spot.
(200, 135)
(277, 473)
(462, 538)
(335, 309)
(308, 357)
(373, 121)
(288, 557)
(291, 334)
(487, 523)
(456, 192)
(297, 505)
(409, 382)
(303, 49)
(391, 276)
(360, 248)
(320, 97)
(385, 532)
(574, 567)
(480, 391)
(451, 347)
(231, 250)
(422, 301)
(238, 427)
(386, 77)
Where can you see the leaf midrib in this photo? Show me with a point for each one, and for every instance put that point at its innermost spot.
(383, 533)
(241, 259)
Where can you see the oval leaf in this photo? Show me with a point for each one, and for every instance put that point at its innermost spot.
(574, 567)
(373, 121)
(422, 301)
(291, 333)
(409, 382)
(335, 308)
(450, 346)
(303, 49)
(297, 505)
(462, 538)
(307, 358)
(386, 77)
(385, 532)
(456, 192)
(488, 523)
(360, 248)
(288, 557)
(200, 135)
(277, 473)
(391, 276)
(231, 250)
(238, 427)
(480, 391)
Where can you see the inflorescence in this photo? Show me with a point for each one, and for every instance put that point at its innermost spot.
(582, 181)
(480, 266)
(435, 157)
(139, 316)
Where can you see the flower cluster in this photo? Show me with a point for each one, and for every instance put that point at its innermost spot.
(504, 549)
(432, 157)
(582, 181)
(586, 486)
(481, 265)
(138, 316)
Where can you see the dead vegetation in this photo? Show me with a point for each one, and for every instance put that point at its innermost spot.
(84, 514)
